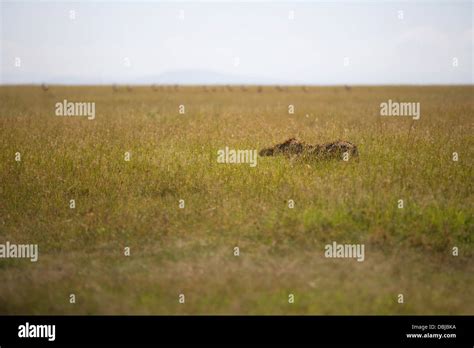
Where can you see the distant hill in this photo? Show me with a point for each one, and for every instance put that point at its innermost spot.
(203, 77)
(180, 77)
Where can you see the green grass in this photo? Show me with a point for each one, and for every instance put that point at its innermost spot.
(190, 250)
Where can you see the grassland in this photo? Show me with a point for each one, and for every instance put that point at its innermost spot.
(190, 250)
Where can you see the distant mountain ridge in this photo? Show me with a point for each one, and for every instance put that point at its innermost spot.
(172, 77)
(203, 77)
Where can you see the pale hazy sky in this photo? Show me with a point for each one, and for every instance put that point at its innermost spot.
(237, 42)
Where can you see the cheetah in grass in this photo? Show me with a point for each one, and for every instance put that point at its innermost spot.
(292, 146)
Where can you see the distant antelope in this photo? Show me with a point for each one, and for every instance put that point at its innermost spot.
(259, 89)
(44, 87)
(129, 89)
(114, 87)
(243, 88)
(154, 87)
(229, 88)
(279, 89)
(348, 88)
(305, 89)
(176, 88)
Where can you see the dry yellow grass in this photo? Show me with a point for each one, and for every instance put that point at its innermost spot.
(190, 250)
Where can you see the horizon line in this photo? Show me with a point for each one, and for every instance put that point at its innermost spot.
(235, 85)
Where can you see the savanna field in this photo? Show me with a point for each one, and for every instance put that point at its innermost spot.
(190, 250)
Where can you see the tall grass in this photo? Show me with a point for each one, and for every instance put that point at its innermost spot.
(190, 250)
